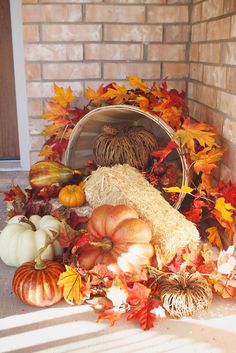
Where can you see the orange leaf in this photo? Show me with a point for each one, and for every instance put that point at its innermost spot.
(214, 237)
(118, 93)
(190, 132)
(206, 159)
(143, 102)
(138, 83)
(62, 97)
(137, 294)
(112, 315)
(94, 96)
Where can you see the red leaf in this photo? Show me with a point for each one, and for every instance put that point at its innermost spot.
(112, 315)
(163, 153)
(75, 220)
(66, 235)
(81, 241)
(100, 273)
(138, 293)
(228, 191)
(143, 313)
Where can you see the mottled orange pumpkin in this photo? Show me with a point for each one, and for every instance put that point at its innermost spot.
(119, 237)
(38, 287)
(72, 196)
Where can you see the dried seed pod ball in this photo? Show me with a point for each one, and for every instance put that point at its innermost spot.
(184, 293)
(131, 145)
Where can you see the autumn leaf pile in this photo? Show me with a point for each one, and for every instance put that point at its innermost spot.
(209, 204)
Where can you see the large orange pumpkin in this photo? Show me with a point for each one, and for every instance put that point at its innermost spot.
(119, 237)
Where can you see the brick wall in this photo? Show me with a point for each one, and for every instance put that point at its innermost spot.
(212, 81)
(84, 43)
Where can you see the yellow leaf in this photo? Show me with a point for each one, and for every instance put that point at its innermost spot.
(118, 93)
(63, 97)
(214, 237)
(206, 159)
(185, 189)
(225, 209)
(138, 83)
(143, 102)
(95, 96)
(52, 129)
(190, 132)
(46, 152)
(72, 283)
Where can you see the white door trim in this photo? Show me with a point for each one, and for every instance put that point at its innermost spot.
(20, 86)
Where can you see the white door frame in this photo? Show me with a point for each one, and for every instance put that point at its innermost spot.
(20, 88)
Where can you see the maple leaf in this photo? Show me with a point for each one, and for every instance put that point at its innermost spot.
(62, 97)
(66, 234)
(206, 159)
(111, 315)
(189, 133)
(137, 293)
(56, 113)
(94, 96)
(81, 241)
(138, 83)
(144, 313)
(72, 285)
(163, 153)
(228, 191)
(76, 220)
(143, 102)
(225, 209)
(184, 189)
(117, 94)
(100, 274)
(226, 287)
(214, 237)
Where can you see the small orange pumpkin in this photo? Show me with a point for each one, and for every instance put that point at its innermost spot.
(72, 196)
(119, 237)
(38, 287)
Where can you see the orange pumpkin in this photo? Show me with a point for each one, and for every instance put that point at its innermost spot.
(119, 237)
(72, 196)
(38, 287)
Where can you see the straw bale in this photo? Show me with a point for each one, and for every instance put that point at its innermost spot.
(123, 184)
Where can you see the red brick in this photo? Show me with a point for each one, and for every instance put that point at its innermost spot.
(36, 126)
(53, 52)
(219, 29)
(194, 52)
(233, 27)
(31, 33)
(196, 13)
(32, 71)
(215, 76)
(167, 14)
(122, 70)
(52, 13)
(226, 103)
(231, 79)
(167, 52)
(175, 70)
(113, 51)
(229, 53)
(229, 130)
(210, 53)
(229, 6)
(199, 32)
(207, 95)
(71, 71)
(35, 108)
(71, 33)
(177, 33)
(212, 8)
(196, 71)
(227, 173)
(45, 89)
(115, 13)
(229, 155)
(133, 33)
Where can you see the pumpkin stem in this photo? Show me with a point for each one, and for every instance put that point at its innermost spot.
(26, 220)
(106, 244)
(39, 263)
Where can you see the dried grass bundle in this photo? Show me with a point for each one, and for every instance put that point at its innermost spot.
(130, 145)
(123, 184)
(183, 294)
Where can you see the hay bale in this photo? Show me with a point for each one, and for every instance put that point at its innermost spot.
(123, 184)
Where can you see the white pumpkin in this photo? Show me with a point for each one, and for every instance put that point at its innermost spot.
(19, 242)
